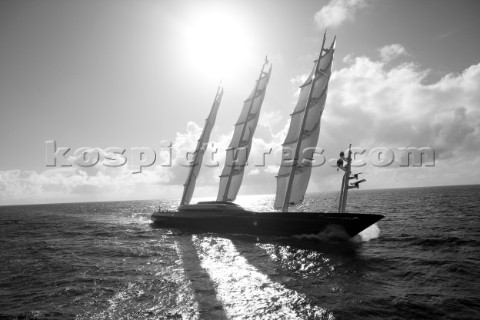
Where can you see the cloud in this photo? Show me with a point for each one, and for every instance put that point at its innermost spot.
(338, 11)
(397, 108)
(77, 184)
(99, 182)
(372, 104)
(392, 51)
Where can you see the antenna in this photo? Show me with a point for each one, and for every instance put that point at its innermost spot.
(346, 178)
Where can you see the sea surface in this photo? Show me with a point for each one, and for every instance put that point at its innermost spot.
(106, 261)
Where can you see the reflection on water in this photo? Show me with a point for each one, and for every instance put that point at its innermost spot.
(105, 261)
(205, 303)
(247, 293)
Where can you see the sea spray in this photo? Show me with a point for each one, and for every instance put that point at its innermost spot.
(368, 234)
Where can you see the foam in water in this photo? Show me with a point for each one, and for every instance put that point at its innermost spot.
(331, 232)
(368, 234)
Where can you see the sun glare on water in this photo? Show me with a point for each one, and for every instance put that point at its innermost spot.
(217, 43)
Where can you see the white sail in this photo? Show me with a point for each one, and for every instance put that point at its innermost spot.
(239, 148)
(189, 185)
(302, 136)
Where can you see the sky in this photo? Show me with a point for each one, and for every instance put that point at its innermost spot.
(141, 76)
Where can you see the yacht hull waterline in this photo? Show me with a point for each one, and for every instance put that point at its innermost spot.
(224, 219)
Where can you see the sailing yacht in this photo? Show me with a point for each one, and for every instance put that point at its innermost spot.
(224, 216)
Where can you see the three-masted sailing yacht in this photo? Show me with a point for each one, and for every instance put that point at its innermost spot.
(223, 216)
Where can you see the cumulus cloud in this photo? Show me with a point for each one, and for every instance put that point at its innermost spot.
(372, 104)
(79, 184)
(392, 51)
(95, 181)
(338, 11)
(398, 108)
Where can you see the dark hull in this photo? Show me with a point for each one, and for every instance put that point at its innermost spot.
(278, 224)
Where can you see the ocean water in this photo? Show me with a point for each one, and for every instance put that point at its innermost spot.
(106, 261)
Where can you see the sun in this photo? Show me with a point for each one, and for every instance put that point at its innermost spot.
(217, 42)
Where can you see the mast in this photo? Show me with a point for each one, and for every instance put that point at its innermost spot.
(247, 122)
(346, 178)
(302, 129)
(200, 150)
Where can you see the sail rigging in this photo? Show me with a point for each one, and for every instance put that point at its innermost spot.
(239, 148)
(224, 216)
(302, 136)
(202, 143)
